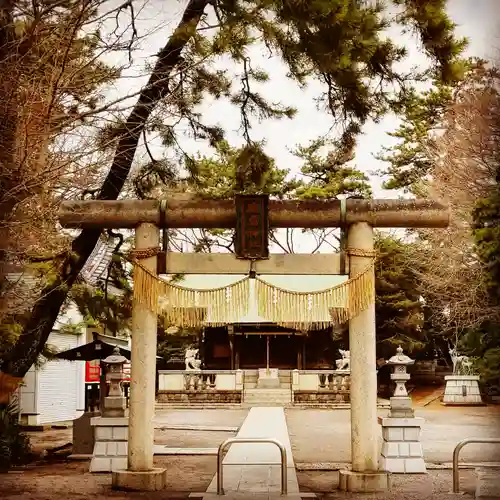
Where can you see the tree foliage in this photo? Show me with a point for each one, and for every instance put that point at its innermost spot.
(459, 267)
(398, 306)
(51, 76)
(424, 116)
(342, 44)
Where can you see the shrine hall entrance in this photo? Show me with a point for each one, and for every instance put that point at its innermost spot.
(270, 351)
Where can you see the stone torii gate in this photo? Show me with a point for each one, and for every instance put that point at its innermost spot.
(147, 217)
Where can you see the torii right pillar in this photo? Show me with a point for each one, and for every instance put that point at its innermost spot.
(364, 475)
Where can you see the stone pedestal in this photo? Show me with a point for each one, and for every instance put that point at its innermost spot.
(238, 380)
(111, 444)
(401, 448)
(268, 379)
(462, 390)
(364, 482)
(488, 482)
(150, 480)
(83, 436)
(114, 406)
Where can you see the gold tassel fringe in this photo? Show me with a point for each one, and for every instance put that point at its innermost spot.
(193, 308)
(190, 307)
(225, 305)
(145, 287)
(316, 310)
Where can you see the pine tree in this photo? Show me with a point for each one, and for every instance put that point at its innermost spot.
(459, 268)
(399, 308)
(484, 342)
(423, 115)
(49, 78)
(339, 43)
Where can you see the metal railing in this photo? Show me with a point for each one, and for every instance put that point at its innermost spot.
(456, 453)
(230, 441)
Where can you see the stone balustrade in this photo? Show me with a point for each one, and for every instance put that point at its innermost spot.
(178, 380)
(321, 386)
(210, 386)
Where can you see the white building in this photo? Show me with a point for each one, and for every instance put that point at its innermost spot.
(55, 390)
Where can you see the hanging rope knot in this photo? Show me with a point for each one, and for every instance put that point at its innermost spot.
(145, 253)
(359, 252)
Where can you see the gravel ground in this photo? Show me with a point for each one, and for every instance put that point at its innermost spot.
(189, 474)
(436, 484)
(324, 436)
(216, 417)
(316, 436)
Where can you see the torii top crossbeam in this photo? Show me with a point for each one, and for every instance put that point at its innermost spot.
(221, 214)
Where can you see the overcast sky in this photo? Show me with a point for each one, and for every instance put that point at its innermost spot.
(476, 19)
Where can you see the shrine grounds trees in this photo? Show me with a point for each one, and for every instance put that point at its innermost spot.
(398, 305)
(50, 82)
(458, 268)
(340, 44)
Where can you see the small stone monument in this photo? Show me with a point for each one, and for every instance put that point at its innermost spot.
(268, 378)
(462, 388)
(401, 448)
(111, 430)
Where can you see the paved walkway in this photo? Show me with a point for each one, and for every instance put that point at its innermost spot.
(259, 481)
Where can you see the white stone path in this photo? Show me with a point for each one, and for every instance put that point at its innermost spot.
(253, 480)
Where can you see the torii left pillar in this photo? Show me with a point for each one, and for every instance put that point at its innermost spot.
(140, 475)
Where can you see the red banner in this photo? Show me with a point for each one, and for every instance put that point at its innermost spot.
(93, 372)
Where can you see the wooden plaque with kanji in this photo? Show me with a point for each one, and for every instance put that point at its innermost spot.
(252, 227)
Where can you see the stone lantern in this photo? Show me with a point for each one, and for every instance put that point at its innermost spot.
(401, 448)
(115, 402)
(400, 401)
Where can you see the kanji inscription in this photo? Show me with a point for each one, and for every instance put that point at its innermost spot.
(252, 227)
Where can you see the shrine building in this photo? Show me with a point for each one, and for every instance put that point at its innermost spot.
(251, 341)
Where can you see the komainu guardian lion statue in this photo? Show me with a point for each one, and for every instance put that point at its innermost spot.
(190, 358)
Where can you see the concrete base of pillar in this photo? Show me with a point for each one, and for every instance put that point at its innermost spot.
(462, 390)
(151, 480)
(488, 484)
(363, 482)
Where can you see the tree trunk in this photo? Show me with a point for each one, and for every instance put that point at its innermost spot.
(8, 124)
(46, 310)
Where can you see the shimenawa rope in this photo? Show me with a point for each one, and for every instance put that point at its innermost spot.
(191, 307)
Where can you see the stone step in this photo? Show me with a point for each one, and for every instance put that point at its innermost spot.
(252, 397)
(256, 393)
(268, 399)
(270, 396)
(253, 386)
(202, 406)
(261, 391)
(238, 495)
